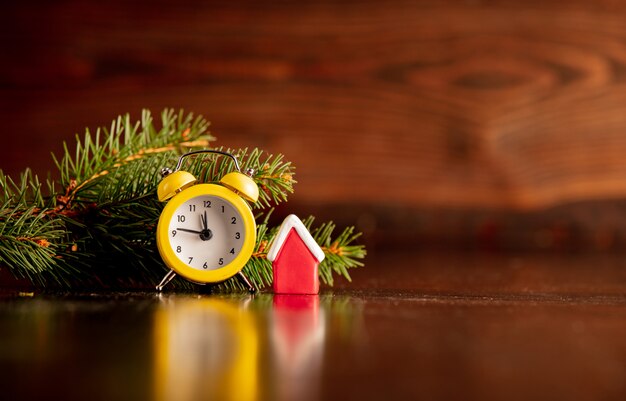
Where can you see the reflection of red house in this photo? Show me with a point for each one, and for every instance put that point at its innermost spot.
(295, 255)
(297, 332)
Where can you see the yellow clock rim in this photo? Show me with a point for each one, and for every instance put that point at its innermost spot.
(206, 276)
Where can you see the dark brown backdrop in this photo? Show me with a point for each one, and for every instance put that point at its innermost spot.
(494, 124)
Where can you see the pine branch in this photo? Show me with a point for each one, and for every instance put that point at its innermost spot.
(95, 226)
(109, 167)
(29, 238)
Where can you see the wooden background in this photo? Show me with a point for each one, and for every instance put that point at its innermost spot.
(494, 124)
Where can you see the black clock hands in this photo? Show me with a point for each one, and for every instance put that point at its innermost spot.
(189, 231)
(203, 218)
(205, 234)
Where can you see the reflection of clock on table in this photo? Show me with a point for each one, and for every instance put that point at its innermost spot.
(206, 232)
(205, 348)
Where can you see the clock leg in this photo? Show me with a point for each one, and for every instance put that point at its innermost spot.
(168, 277)
(242, 277)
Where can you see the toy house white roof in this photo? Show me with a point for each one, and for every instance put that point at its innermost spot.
(292, 221)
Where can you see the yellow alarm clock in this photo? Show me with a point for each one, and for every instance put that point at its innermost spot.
(206, 232)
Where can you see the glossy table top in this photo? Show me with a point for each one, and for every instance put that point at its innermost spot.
(410, 326)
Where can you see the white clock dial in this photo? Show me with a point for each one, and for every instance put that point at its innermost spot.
(206, 232)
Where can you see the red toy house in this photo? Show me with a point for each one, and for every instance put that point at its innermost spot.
(295, 256)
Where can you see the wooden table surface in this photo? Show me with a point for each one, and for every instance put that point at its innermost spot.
(436, 326)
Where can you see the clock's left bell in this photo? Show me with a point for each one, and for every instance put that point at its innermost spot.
(173, 183)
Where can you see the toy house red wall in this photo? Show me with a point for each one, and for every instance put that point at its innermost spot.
(295, 267)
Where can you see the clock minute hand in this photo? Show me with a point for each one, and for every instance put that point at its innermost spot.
(189, 231)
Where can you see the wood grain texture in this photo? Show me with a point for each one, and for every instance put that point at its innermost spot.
(478, 105)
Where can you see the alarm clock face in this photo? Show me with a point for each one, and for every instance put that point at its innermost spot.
(206, 232)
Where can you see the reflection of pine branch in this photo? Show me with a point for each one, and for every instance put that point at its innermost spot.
(95, 226)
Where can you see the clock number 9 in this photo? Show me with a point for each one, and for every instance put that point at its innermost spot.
(173, 233)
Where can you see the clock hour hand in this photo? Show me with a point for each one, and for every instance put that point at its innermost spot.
(189, 231)
(205, 234)
(205, 223)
